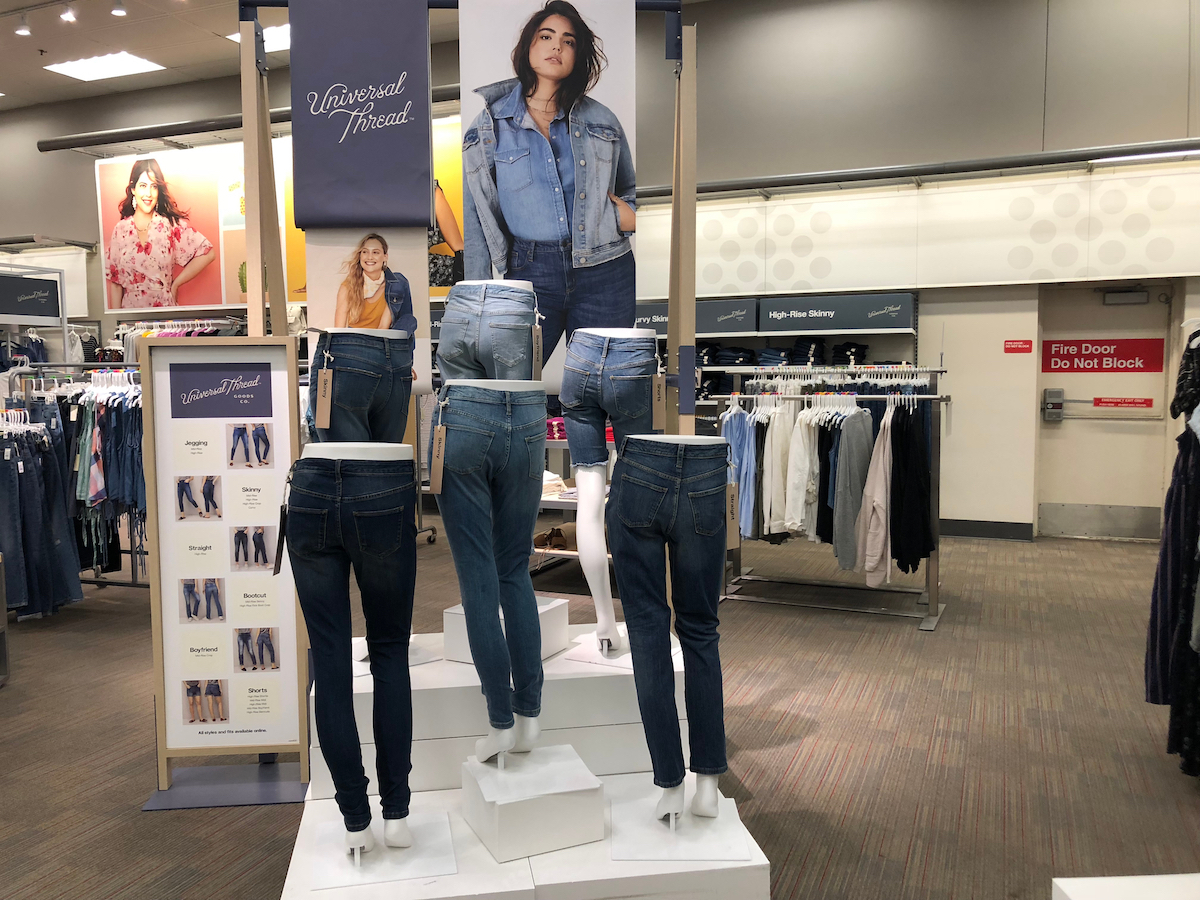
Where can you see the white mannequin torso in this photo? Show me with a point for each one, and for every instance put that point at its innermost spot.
(679, 438)
(620, 332)
(492, 384)
(358, 450)
(527, 285)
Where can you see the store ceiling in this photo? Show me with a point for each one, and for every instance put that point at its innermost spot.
(185, 36)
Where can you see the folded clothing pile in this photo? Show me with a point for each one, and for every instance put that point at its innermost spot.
(850, 354)
(774, 356)
(556, 429)
(808, 351)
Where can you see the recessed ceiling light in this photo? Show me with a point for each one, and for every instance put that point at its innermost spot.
(96, 68)
(119, 9)
(23, 27)
(275, 38)
(68, 13)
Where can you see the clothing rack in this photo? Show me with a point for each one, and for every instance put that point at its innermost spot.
(137, 558)
(929, 596)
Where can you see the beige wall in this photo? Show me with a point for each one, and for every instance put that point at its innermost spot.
(989, 432)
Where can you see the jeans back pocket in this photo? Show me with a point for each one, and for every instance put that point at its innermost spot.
(631, 394)
(466, 448)
(305, 531)
(708, 510)
(380, 531)
(574, 385)
(354, 388)
(639, 501)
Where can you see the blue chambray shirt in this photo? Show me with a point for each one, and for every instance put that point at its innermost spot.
(535, 180)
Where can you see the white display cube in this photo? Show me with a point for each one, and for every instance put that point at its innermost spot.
(540, 801)
(552, 618)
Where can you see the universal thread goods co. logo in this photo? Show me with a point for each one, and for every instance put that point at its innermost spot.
(357, 105)
(220, 390)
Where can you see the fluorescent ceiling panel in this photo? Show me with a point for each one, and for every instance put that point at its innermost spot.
(275, 38)
(114, 65)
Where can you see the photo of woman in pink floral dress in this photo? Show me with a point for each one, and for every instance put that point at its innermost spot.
(152, 238)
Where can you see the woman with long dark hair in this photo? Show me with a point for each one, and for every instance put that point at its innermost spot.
(152, 238)
(550, 182)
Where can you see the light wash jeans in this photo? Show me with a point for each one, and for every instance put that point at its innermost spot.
(487, 332)
(491, 488)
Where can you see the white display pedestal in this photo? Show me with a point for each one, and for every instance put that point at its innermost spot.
(586, 872)
(552, 617)
(1128, 887)
(540, 801)
(591, 707)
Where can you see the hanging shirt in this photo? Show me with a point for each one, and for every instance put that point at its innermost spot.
(853, 461)
(872, 528)
(738, 431)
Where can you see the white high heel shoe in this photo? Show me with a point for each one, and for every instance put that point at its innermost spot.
(359, 842)
(670, 804)
(526, 732)
(396, 833)
(707, 800)
(497, 742)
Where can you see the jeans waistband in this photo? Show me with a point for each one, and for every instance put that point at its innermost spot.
(397, 346)
(480, 293)
(368, 467)
(497, 398)
(654, 451)
(564, 246)
(606, 344)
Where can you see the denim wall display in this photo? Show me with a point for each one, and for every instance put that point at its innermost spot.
(360, 515)
(487, 332)
(673, 496)
(372, 382)
(494, 456)
(606, 378)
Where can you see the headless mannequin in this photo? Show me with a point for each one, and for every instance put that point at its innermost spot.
(593, 549)
(525, 731)
(396, 832)
(707, 795)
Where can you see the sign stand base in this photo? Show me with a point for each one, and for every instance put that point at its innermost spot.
(207, 787)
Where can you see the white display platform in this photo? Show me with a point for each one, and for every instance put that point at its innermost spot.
(591, 707)
(586, 872)
(585, 649)
(636, 834)
(552, 618)
(540, 801)
(1128, 887)
(431, 855)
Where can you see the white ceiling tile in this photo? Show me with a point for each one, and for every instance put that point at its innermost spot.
(147, 34)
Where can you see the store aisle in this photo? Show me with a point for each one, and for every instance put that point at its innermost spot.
(870, 760)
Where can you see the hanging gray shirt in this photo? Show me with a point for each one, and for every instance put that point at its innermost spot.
(854, 458)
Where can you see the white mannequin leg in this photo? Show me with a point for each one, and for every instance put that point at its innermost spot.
(498, 740)
(670, 804)
(593, 551)
(358, 843)
(396, 833)
(707, 795)
(526, 731)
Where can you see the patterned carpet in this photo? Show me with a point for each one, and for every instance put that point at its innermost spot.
(870, 760)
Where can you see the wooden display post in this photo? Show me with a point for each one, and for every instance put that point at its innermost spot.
(196, 393)
(681, 303)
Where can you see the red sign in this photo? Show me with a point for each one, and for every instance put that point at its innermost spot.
(1124, 402)
(1018, 346)
(1103, 355)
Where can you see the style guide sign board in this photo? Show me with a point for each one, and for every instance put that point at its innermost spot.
(222, 422)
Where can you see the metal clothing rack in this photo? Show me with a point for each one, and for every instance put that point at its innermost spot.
(929, 596)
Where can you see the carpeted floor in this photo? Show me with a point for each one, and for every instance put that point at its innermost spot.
(869, 759)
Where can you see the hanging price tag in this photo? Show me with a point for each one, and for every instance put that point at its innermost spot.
(732, 537)
(282, 532)
(21, 466)
(8, 453)
(660, 402)
(324, 398)
(537, 352)
(74, 413)
(439, 454)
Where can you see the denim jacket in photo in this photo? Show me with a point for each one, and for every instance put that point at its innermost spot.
(604, 164)
(399, 301)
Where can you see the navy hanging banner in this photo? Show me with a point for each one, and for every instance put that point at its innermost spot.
(361, 131)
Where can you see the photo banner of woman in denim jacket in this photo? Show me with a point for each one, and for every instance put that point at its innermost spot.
(548, 155)
(361, 126)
